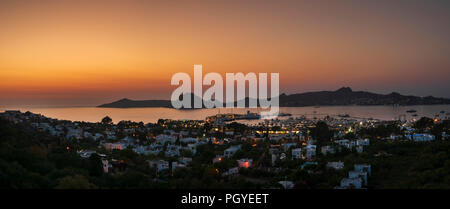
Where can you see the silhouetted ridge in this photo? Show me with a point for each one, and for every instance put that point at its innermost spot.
(342, 96)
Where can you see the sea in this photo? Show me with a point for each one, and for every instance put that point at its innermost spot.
(151, 115)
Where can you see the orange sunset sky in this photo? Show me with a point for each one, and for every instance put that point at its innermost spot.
(74, 53)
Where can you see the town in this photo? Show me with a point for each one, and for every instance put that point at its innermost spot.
(219, 152)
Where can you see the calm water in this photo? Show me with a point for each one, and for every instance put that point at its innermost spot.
(146, 115)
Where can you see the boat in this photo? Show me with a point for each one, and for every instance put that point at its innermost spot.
(250, 116)
(414, 115)
(284, 114)
(344, 115)
(411, 111)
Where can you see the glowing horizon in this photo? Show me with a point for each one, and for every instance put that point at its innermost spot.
(92, 52)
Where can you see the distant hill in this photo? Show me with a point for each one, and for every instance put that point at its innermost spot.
(342, 96)
(128, 103)
(346, 96)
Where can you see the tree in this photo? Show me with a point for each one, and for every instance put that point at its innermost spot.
(321, 133)
(95, 166)
(107, 120)
(74, 182)
(423, 123)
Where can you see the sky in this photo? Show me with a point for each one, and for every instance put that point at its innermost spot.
(83, 53)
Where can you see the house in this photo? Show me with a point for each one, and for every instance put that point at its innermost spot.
(192, 148)
(87, 135)
(176, 165)
(231, 171)
(185, 160)
(86, 153)
(327, 150)
(296, 153)
(115, 146)
(282, 156)
(358, 174)
(172, 150)
(396, 137)
(273, 150)
(275, 137)
(286, 146)
(345, 143)
(229, 133)
(335, 165)
(188, 140)
(445, 135)
(228, 153)
(421, 137)
(347, 183)
(363, 168)
(12, 112)
(111, 135)
(274, 159)
(142, 150)
(287, 184)
(359, 149)
(184, 133)
(162, 139)
(74, 133)
(310, 151)
(128, 140)
(342, 142)
(105, 165)
(362, 142)
(160, 165)
(245, 162)
(217, 159)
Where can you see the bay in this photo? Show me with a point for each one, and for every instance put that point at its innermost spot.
(151, 115)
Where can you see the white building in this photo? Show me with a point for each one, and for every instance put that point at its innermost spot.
(162, 139)
(396, 137)
(296, 153)
(355, 183)
(327, 150)
(160, 165)
(105, 165)
(287, 184)
(217, 159)
(228, 153)
(86, 153)
(115, 146)
(231, 171)
(362, 142)
(74, 133)
(421, 137)
(358, 174)
(335, 165)
(188, 140)
(310, 151)
(359, 149)
(363, 168)
(286, 146)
